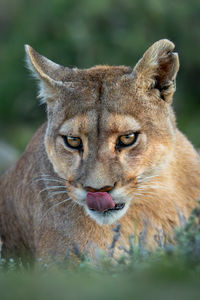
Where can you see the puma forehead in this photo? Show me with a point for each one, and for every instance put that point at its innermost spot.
(110, 123)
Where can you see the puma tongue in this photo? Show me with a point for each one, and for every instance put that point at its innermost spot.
(99, 201)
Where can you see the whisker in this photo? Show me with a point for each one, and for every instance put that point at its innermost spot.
(52, 207)
(145, 179)
(47, 175)
(144, 194)
(48, 179)
(44, 179)
(73, 206)
(50, 188)
(56, 193)
(152, 187)
(137, 194)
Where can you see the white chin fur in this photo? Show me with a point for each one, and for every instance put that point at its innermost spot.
(108, 218)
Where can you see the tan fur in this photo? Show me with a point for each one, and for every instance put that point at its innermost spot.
(158, 177)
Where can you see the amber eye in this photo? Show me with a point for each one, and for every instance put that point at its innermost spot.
(73, 142)
(127, 140)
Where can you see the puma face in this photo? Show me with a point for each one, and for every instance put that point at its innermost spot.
(110, 129)
(106, 155)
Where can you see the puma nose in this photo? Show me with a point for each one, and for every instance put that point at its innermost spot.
(106, 188)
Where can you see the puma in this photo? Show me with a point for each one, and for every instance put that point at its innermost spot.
(109, 153)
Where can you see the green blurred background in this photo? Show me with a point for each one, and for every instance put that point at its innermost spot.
(85, 33)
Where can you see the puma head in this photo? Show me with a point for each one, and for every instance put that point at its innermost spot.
(109, 129)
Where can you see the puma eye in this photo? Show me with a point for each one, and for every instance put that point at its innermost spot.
(127, 140)
(73, 142)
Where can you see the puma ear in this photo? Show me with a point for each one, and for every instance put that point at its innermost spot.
(158, 68)
(46, 71)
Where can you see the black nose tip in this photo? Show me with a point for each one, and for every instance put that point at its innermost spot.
(106, 188)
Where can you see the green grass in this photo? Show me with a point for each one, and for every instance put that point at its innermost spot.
(170, 272)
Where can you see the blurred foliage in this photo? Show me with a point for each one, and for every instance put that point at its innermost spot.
(170, 272)
(89, 32)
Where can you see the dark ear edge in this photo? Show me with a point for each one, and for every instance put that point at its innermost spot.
(165, 77)
(158, 68)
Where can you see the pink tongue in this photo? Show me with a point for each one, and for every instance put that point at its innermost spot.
(99, 201)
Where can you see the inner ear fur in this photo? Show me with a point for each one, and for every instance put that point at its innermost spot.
(158, 67)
